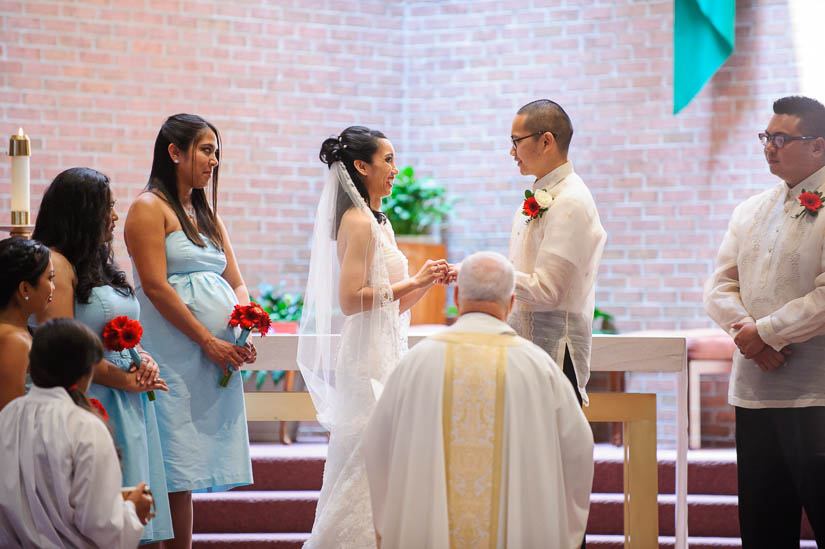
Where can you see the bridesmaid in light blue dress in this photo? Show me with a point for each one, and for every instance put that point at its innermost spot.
(77, 220)
(131, 415)
(187, 281)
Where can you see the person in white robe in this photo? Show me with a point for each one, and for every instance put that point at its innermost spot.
(60, 477)
(478, 439)
(556, 243)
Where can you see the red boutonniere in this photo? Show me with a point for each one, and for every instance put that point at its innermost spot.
(124, 333)
(247, 317)
(99, 407)
(535, 204)
(810, 201)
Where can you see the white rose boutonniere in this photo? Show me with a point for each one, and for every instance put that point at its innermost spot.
(543, 198)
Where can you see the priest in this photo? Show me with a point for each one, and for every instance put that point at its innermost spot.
(478, 439)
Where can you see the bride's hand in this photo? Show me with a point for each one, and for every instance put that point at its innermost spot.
(431, 272)
(224, 354)
(450, 277)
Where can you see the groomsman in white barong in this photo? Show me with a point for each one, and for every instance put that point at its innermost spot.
(556, 243)
(768, 292)
(477, 439)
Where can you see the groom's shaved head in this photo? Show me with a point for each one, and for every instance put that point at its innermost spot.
(544, 115)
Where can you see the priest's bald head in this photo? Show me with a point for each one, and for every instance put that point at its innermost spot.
(486, 282)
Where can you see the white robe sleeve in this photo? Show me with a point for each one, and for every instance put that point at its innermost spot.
(100, 512)
(721, 294)
(570, 239)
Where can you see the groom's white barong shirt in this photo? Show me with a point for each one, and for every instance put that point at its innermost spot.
(556, 258)
(60, 478)
(771, 270)
(515, 467)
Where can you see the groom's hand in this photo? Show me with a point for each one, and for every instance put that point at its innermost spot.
(748, 340)
(769, 360)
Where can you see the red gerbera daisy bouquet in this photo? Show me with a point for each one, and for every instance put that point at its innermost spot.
(124, 333)
(247, 317)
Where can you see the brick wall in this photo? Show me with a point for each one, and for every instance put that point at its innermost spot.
(92, 81)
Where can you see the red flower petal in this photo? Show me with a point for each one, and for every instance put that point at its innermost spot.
(811, 201)
(531, 207)
(99, 407)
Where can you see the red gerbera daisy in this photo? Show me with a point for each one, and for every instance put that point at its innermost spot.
(531, 207)
(811, 201)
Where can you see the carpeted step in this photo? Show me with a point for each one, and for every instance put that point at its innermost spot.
(710, 516)
(287, 467)
(248, 541)
(668, 542)
(707, 515)
(243, 511)
(709, 472)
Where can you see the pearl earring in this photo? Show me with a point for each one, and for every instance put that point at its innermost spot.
(26, 297)
(175, 161)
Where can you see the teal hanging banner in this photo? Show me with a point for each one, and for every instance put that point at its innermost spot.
(703, 38)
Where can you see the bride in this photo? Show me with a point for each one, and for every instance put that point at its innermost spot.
(359, 288)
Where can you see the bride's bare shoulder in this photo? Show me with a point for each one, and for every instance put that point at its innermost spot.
(355, 222)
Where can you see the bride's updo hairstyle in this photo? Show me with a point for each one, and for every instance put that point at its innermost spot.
(354, 143)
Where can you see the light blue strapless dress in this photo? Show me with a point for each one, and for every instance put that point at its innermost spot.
(202, 425)
(131, 415)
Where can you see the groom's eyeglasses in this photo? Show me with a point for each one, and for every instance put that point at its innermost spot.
(515, 140)
(780, 140)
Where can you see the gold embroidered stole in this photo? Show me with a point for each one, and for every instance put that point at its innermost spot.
(473, 417)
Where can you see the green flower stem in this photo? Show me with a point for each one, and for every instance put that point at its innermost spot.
(136, 361)
(241, 342)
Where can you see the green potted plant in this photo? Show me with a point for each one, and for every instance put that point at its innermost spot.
(285, 311)
(416, 208)
(284, 308)
(417, 205)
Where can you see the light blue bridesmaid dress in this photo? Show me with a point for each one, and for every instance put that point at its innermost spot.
(131, 415)
(202, 425)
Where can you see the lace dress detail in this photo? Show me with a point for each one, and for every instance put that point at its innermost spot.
(343, 518)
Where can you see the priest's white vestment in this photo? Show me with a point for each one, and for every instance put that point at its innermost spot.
(478, 441)
(60, 480)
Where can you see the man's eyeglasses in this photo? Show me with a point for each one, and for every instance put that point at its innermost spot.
(780, 140)
(515, 140)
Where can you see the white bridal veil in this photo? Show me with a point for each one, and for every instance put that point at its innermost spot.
(344, 358)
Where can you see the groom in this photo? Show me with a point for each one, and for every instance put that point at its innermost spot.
(556, 243)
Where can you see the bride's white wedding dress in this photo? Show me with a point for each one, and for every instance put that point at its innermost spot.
(343, 518)
(344, 359)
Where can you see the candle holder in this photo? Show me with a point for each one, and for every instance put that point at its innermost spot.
(20, 152)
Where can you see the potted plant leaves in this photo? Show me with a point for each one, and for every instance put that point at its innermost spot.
(416, 209)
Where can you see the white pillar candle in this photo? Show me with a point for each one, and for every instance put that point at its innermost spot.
(20, 153)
